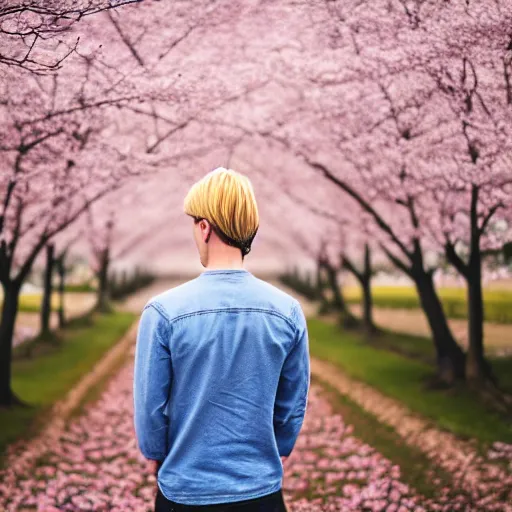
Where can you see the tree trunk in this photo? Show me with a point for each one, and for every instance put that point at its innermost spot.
(450, 357)
(319, 282)
(366, 284)
(478, 368)
(9, 311)
(364, 278)
(320, 287)
(337, 302)
(46, 305)
(368, 323)
(103, 300)
(475, 363)
(61, 269)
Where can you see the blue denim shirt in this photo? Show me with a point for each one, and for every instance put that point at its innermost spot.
(221, 385)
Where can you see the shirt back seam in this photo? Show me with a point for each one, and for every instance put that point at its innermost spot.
(226, 310)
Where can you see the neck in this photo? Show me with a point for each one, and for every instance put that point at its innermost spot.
(225, 258)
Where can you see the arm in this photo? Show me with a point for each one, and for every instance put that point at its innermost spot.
(293, 388)
(152, 383)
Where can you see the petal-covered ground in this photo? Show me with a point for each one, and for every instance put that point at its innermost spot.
(485, 479)
(94, 465)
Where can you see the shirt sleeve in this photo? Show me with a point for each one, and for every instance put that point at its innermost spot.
(152, 383)
(293, 388)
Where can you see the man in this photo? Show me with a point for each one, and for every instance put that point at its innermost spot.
(222, 368)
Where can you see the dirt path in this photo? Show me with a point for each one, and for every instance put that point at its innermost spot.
(136, 302)
(497, 337)
(94, 465)
(28, 324)
(486, 482)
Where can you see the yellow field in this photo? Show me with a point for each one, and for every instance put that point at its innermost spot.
(497, 302)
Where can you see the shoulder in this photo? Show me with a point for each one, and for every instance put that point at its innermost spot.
(277, 299)
(167, 302)
(257, 294)
(289, 305)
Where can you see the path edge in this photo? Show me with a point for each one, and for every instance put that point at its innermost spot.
(62, 410)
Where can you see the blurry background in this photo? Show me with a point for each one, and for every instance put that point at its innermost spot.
(377, 136)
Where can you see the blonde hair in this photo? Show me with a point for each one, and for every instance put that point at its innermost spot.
(225, 198)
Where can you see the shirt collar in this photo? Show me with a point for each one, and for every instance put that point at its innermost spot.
(230, 271)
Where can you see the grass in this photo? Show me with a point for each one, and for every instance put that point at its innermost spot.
(497, 303)
(41, 381)
(80, 288)
(401, 377)
(413, 347)
(94, 393)
(502, 367)
(422, 349)
(416, 469)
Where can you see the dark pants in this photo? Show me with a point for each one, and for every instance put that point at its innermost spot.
(270, 503)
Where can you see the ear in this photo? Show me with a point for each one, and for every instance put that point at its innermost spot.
(206, 228)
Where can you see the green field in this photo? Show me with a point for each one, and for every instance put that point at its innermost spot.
(404, 378)
(42, 380)
(497, 303)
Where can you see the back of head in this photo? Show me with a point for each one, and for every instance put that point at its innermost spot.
(226, 199)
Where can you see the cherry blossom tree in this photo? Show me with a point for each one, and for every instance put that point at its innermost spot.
(332, 266)
(57, 250)
(72, 137)
(55, 164)
(391, 126)
(39, 202)
(62, 264)
(31, 31)
(400, 120)
(476, 199)
(100, 238)
(363, 274)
